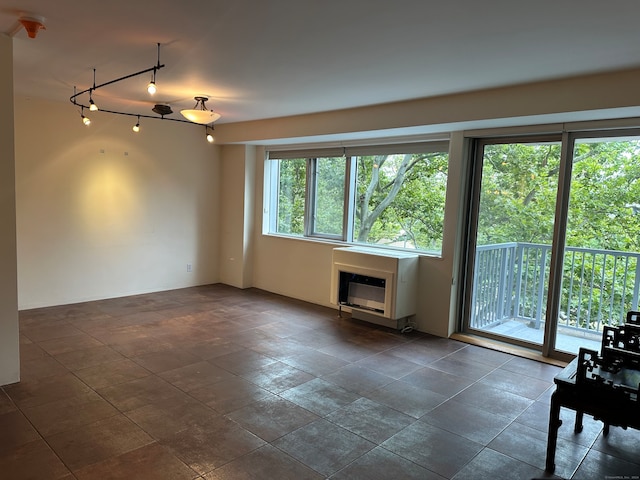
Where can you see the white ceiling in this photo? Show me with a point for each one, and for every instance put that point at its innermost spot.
(269, 58)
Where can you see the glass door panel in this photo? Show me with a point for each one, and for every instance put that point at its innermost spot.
(601, 268)
(514, 231)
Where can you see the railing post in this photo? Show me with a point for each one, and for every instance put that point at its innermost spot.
(636, 286)
(541, 275)
(519, 259)
(502, 284)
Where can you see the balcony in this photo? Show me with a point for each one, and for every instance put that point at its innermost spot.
(511, 286)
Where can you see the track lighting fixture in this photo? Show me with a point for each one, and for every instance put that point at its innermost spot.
(209, 136)
(85, 120)
(199, 115)
(92, 106)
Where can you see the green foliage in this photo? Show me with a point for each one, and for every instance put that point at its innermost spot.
(400, 200)
(518, 199)
(329, 204)
(291, 195)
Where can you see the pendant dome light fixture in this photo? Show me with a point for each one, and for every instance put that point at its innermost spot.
(199, 113)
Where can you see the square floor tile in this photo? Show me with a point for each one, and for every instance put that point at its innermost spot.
(381, 464)
(196, 375)
(57, 346)
(537, 416)
(389, 365)
(620, 443)
(30, 393)
(211, 443)
(405, 398)
(69, 413)
(266, 462)
(487, 356)
(314, 362)
(151, 462)
(358, 379)
(111, 373)
(165, 417)
(435, 449)
(370, 420)
(88, 357)
(16, 431)
(491, 465)
(277, 377)
(600, 465)
(493, 400)
(513, 383)
(319, 396)
(532, 368)
(437, 381)
(323, 446)
(33, 460)
(164, 360)
(530, 446)
(139, 392)
(243, 361)
(462, 367)
(470, 422)
(98, 441)
(229, 395)
(272, 417)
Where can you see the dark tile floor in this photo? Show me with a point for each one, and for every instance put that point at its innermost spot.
(217, 383)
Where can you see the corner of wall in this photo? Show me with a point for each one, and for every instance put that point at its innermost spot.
(9, 333)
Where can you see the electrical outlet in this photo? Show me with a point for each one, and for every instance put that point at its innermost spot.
(188, 267)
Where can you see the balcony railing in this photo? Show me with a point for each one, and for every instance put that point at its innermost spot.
(511, 282)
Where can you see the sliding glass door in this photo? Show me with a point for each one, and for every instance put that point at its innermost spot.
(554, 239)
(516, 186)
(600, 272)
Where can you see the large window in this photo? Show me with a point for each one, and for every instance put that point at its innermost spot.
(390, 195)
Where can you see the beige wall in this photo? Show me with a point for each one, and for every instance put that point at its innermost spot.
(598, 96)
(302, 268)
(237, 192)
(105, 212)
(9, 344)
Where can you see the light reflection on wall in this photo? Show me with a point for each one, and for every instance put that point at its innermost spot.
(109, 200)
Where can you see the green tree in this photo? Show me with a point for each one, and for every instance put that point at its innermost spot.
(401, 199)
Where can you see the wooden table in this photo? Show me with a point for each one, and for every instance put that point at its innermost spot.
(577, 390)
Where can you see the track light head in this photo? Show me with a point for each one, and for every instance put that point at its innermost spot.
(86, 120)
(151, 88)
(92, 106)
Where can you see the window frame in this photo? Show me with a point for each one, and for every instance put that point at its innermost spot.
(274, 157)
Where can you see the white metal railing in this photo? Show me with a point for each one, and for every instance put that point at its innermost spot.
(511, 282)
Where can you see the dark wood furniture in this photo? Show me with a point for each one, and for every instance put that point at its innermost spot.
(605, 387)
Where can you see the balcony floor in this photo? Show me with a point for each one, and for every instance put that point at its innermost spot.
(567, 340)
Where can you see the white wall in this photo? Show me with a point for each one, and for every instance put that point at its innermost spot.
(9, 344)
(105, 212)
